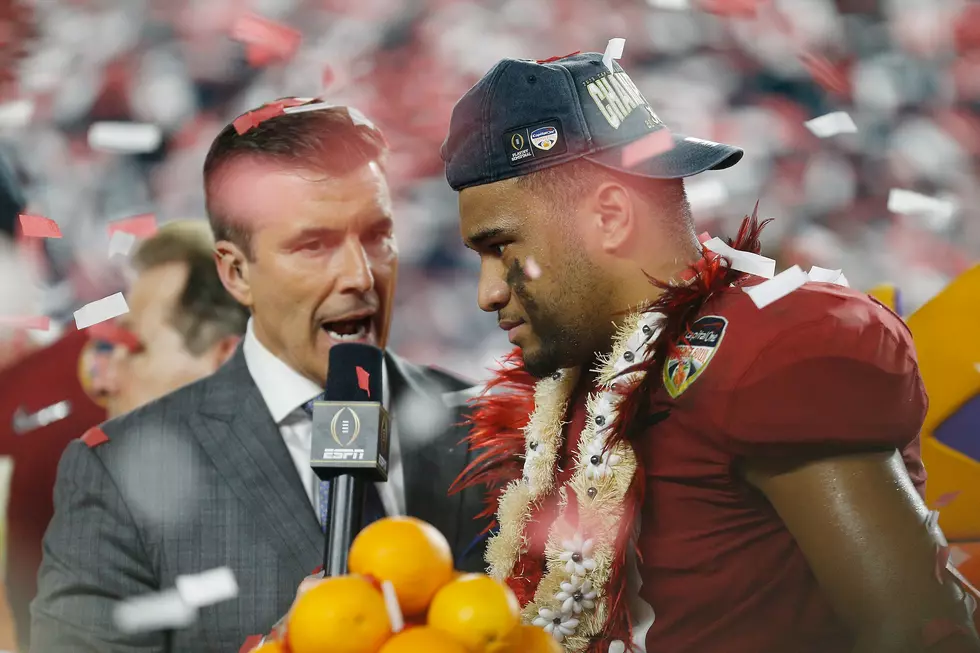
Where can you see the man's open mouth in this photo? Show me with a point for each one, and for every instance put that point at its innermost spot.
(350, 330)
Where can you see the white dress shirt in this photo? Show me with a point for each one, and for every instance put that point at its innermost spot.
(285, 391)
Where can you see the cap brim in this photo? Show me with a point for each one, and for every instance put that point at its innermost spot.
(689, 156)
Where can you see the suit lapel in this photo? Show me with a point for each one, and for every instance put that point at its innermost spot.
(431, 460)
(237, 432)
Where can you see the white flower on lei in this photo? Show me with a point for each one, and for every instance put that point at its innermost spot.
(600, 463)
(555, 624)
(577, 556)
(576, 595)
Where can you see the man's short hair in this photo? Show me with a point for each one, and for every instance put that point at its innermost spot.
(205, 312)
(563, 186)
(326, 140)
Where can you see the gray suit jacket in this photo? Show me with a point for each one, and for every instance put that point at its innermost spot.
(202, 479)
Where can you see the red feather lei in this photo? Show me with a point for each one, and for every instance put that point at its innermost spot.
(499, 416)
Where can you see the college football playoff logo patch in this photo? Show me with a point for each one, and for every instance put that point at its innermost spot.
(694, 352)
(533, 142)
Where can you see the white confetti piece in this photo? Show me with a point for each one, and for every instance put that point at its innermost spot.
(101, 310)
(614, 50)
(531, 268)
(958, 556)
(828, 276)
(761, 266)
(359, 118)
(391, 604)
(617, 646)
(673, 5)
(124, 137)
(16, 114)
(121, 243)
(831, 124)
(150, 612)
(207, 587)
(778, 287)
(309, 107)
(938, 213)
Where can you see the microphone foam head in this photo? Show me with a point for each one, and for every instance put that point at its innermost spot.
(354, 373)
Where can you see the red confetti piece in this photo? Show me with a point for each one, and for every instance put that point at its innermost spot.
(114, 334)
(266, 41)
(363, 380)
(255, 118)
(250, 643)
(552, 59)
(732, 8)
(704, 237)
(141, 226)
(38, 322)
(945, 499)
(94, 437)
(966, 30)
(251, 119)
(37, 226)
(651, 145)
(830, 77)
(316, 571)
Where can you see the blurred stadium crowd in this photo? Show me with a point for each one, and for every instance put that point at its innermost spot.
(746, 72)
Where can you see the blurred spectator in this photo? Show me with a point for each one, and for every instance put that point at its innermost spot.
(182, 324)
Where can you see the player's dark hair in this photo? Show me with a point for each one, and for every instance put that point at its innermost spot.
(565, 185)
(327, 141)
(205, 312)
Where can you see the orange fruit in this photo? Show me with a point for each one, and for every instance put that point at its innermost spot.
(531, 639)
(422, 639)
(478, 612)
(344, 614)
(413, 555)
(270, 647)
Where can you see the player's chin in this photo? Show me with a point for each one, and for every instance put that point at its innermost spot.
(536, 363)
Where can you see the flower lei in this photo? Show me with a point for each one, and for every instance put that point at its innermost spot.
(577, 558)
(578, 594)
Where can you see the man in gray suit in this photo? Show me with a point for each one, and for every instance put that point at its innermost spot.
(217, 474)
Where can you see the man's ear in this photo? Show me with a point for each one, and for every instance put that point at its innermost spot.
(613, 216)
(224, 349)
(233, 269)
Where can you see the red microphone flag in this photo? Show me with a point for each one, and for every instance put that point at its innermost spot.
(363, 380)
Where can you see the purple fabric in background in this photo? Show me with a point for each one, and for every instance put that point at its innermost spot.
(961, 430)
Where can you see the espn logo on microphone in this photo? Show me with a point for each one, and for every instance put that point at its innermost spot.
(343, 454)
(354, 439)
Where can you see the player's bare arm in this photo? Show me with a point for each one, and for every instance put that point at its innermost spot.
(862, 527)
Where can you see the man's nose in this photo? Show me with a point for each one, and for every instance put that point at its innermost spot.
(355, 268)
(493, 293)
(105, 375)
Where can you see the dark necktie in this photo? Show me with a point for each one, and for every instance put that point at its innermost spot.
(373, 506)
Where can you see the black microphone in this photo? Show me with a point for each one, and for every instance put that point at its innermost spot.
(350, 443)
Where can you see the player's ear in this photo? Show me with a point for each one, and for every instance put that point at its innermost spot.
(613, 216)
(232, 264)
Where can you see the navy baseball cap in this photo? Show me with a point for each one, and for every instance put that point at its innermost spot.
(524, 116)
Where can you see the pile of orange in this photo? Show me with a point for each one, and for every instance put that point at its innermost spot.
(443, 610)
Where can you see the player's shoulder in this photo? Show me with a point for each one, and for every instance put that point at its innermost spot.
(825, 307)
(165, 417)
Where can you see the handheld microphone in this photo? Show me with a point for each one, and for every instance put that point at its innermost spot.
(350, 443)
